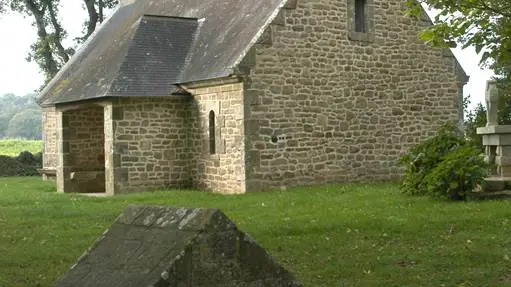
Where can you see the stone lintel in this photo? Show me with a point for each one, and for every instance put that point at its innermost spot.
(499, 129)
(497, 139)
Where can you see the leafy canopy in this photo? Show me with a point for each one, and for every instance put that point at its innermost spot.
(48, 51)
(483, 24)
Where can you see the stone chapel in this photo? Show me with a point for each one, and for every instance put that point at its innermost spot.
(235, 96)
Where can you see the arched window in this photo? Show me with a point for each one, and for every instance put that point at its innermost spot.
(212, 137)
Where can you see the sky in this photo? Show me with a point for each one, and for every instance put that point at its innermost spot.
(20, 77)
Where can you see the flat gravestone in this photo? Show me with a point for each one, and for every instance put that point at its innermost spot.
(181, 247)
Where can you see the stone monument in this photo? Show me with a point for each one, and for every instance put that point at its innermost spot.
(166, 246)
(496, 140)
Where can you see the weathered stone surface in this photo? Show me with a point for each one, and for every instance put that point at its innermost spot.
(358, 101)
(81, 156)
(314, 102)
(49, 126)
(166, 246)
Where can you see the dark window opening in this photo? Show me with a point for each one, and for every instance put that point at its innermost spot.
(360, 16)
(212, 138)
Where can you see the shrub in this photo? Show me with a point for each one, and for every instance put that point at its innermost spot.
(459, 172)
(475, 119)
(433, 168)
(25, 164)
(10, 166)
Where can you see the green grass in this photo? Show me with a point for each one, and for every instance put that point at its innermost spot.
(12, 147)
(347, 235)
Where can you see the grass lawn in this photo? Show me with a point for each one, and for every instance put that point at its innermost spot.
(13, 147)
(346, 235)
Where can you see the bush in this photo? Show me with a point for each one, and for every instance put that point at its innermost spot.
(459, 172)
(475, 119)
(443, 165)
(25, 164)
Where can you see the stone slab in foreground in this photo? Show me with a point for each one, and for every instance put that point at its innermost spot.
(165, 246)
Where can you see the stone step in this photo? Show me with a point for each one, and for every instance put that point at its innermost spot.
(494, 184)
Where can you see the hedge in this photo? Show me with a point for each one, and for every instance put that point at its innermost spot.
(25, 164)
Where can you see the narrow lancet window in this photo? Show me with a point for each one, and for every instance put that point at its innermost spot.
(360, 16)
(212, 137)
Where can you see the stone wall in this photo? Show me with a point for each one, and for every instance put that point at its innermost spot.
(84, 138)
(223, 170)
(49, 125)
(325, 104)
(149, 143)
(81, 165)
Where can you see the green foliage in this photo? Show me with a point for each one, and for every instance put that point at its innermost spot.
(20, 117)
(483, 24)
(25, 164)
(25, 124)
(475, 119)
(49, 51)
(457, 174)
(10, 147)
(422, 158)
(424, 163)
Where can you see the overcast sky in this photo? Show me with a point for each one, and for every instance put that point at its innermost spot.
(21, 77)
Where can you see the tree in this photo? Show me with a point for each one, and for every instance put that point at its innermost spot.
(48, 51)
(25, 124)
(10, 105)
(483, 24)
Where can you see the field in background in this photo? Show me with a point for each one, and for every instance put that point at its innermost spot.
(344, 235)
(12, 147)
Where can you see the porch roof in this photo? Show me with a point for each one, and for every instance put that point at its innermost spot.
(147, 48)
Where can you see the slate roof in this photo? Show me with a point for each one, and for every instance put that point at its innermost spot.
(147, 47)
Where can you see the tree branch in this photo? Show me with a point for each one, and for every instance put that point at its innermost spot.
(57, 36)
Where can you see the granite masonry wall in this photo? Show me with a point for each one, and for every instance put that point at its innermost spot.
(149, 143)
(325, 103)
(80, 133)
(221, 170)
(49, 125)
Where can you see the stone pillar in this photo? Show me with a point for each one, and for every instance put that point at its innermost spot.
(110, 185)
(497, 140)
(62, 151)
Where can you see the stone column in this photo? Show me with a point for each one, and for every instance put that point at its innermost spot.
(110, 185)
(62, 151)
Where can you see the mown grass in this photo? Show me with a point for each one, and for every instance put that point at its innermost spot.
(346, 235)
(13, 147)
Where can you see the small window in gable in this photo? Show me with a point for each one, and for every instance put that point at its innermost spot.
(360, 16)
(361, 20)
(212, 137)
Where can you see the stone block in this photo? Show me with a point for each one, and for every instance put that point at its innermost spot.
(503, 160)
(497, 139)
(167, 246)
(500, 129)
